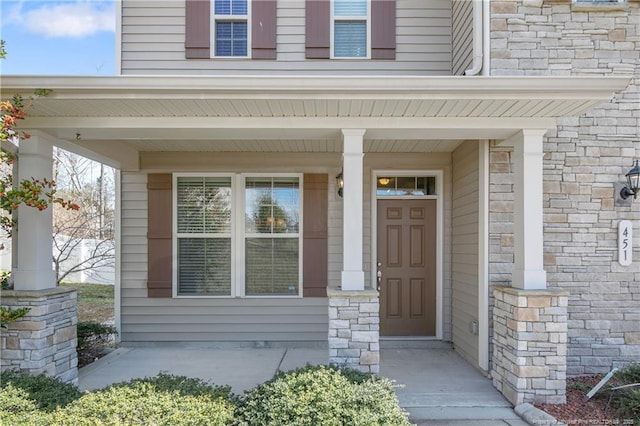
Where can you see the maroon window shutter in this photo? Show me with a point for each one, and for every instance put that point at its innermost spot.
(383, 29)
(318, 25)
(314, 235)
(263, 29)
(159, 235)
(198, 29)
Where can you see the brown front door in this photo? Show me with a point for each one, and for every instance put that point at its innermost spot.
(407, 264)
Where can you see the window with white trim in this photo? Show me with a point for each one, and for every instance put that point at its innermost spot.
(231, 28)
(238, 235)
(350, 28)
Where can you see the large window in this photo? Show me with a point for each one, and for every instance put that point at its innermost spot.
(350, 28)
(238, 235)
(231, 28)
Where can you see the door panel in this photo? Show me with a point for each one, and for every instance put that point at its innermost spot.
(407, 257)
(394, 299)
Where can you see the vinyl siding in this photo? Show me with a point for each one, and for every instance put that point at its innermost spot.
(153, 35)
(201, 319)
(465, 249)
(252, 319)
(462, 49)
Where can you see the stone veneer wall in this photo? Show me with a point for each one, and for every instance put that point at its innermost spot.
(530, 345)
(354, 329)
(43, 341)
(584, 157)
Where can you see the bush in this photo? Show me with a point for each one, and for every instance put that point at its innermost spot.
(28, 400)
(48, 393)
(17, 409)
(320, 395)
(627, 400)
(162, 400)
(93, 333)
(308, 396)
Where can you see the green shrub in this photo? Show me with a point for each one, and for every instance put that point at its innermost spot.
(629, 405)
(320, 395)
(92, 333)
(627, 400)
(28, 400)
(163, 400)
(629, 374)
(48, 392)
(17, 409)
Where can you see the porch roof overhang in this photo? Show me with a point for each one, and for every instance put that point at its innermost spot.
(113, 119)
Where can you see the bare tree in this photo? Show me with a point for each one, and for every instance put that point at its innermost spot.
(83, 239)
(75, 253)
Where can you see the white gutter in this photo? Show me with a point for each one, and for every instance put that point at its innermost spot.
(486, 61)
(118, 37)
(478, 7)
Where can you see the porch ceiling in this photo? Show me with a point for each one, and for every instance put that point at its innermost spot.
(114, 118)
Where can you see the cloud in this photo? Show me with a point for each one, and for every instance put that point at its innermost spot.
(70, 19)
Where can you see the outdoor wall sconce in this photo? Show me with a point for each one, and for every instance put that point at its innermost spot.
(340, 183)
(633, 183)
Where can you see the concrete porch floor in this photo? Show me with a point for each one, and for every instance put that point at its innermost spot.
(437, 386)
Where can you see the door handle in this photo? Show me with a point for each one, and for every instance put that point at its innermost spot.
(379, 275)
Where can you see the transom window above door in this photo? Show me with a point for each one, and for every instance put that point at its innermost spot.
(398, 186)
(237, 235)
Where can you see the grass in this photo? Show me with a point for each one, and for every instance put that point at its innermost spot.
(95, 301)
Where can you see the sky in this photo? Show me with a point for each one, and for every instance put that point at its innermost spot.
(58, 37)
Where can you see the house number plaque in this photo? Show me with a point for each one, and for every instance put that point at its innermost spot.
(625, 242)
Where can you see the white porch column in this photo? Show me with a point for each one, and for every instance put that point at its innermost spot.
(34, 269)
(352, 272)
(528, 273)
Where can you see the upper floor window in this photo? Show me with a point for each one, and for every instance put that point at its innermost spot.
(351, 23)
(231, 28)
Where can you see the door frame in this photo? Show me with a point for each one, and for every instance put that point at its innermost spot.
(439, 175)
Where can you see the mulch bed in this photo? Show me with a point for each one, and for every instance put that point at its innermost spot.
(592, 412)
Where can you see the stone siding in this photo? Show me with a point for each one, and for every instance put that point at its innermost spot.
(583, 160)
(530, 345)
(44, 340)
(354, 329)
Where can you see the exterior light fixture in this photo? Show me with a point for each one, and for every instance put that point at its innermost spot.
(633, 183)
(340, 183)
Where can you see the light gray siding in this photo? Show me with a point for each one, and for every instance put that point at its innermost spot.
(201, 319)
(252, 319)
(462, 49)
(464, 260)
(153, 36)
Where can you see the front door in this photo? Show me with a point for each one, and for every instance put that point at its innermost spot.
(407, 267)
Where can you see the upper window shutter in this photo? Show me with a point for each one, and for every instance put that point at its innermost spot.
(315, 247)
(383, 29)
(263, 29)
(159, 235)
(198, 29)
(318, 26)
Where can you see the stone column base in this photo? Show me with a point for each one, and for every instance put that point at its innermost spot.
(354, 329)
(45, 339)
(530, 345)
